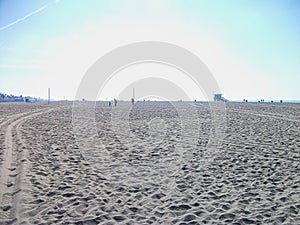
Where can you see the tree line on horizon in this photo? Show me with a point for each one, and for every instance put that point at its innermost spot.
(16, 98)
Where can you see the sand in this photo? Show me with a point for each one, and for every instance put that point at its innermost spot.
(141, 168)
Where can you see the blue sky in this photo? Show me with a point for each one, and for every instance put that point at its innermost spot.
(252, 47)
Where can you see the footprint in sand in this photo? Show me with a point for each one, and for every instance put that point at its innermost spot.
(157, 128)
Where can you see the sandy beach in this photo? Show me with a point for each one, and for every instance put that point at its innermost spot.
(142, 169)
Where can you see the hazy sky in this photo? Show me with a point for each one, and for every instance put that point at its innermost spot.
(252, 47)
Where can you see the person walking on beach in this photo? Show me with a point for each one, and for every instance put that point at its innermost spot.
(116, 102)
(109, 103)
(132, 101)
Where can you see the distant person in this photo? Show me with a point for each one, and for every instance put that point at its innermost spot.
(115, 101)
(109, 103)
(132, 101)
(281, 101)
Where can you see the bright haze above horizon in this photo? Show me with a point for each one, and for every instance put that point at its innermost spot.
(251, 47)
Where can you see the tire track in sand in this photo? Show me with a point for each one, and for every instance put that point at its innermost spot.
(10, 170)
(268, 115)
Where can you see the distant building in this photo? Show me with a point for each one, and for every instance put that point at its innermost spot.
(219, 98)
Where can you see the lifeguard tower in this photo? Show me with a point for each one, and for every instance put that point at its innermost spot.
(219, 98)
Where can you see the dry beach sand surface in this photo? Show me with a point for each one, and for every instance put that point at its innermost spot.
(149, 164)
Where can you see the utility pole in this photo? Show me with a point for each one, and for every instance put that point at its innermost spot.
(48, 95)
(133, 93)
